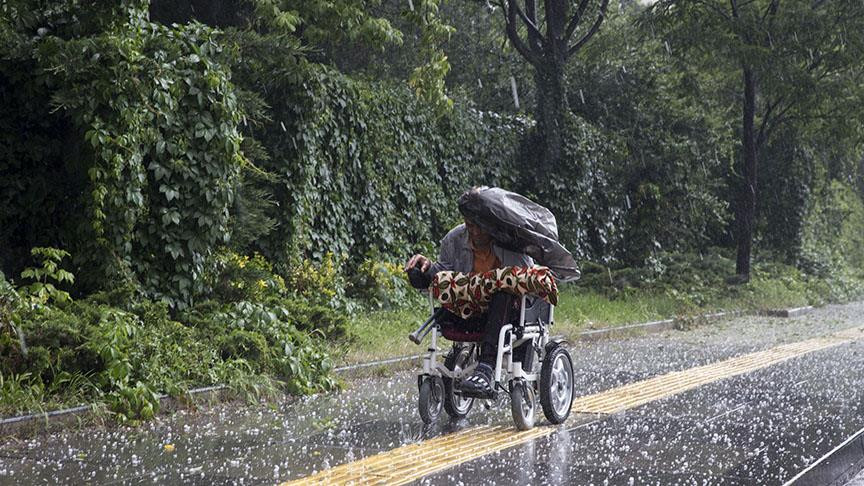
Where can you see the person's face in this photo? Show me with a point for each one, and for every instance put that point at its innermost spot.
(477, 236)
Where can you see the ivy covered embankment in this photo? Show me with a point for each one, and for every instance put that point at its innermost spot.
(184, 206)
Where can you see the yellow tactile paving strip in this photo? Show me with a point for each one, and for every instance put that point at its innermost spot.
(414, 461)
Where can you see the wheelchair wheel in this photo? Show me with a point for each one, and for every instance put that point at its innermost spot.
(431, 398)
(523, 404)
(457, 359)
(556, 384)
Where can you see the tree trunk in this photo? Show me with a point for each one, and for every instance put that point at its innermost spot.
(746, 205)
(552, 107)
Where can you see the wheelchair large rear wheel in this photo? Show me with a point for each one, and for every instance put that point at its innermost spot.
(523, 404)
(556, 384)
(459, 358)
(430, 399)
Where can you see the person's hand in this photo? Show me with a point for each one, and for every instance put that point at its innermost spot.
(418, 261)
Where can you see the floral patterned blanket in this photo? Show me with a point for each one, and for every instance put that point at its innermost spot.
(466, 294)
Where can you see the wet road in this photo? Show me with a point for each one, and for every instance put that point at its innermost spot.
(857, 480)
(759, 427)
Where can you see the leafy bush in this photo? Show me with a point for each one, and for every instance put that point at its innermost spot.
(123, 349)
(379, 284)
(42, 290)
(239, 277)
(321, 283)
(832, 238)
(312, 298)
(293, 355)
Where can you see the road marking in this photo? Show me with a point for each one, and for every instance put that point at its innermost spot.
(414, 461)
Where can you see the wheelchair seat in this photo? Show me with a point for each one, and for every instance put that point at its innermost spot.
(536, 310)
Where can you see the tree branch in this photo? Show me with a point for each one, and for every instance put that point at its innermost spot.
(574, 21)
(594, 28)
(513, 33)
(818, 3)
(760, 137)
(716, 9)
(771, 9)
(778, 120)
(532, 27)
(534, 41)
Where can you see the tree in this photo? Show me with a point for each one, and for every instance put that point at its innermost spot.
(793, 61)
(543, 37)
(672, 177)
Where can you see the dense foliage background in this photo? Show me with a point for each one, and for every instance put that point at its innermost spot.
(222, 182)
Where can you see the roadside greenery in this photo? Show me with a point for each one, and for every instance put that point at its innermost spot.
(118, 348)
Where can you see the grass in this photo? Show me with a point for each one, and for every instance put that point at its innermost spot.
(589, 309)
(383, 334)
(379, 334)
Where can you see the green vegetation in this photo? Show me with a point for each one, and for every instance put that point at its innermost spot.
(117, 348)
(223, 191)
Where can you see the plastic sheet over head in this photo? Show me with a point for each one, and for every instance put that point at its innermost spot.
(521, 225)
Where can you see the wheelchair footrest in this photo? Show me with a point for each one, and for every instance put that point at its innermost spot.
(487, 395)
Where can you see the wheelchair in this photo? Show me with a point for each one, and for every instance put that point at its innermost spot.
(529, 363)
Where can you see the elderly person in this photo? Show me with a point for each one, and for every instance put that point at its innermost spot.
(467, 248)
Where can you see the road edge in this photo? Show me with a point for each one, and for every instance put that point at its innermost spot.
(835, 468)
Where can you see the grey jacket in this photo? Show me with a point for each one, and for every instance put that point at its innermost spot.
(456, 254)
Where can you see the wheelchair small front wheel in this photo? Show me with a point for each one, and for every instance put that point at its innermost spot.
(556, 384)
(459, 358)
(431, 399)
(523, 404)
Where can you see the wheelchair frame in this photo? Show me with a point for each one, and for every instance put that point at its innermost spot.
(531, 330)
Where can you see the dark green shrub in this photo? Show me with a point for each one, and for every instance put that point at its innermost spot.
(241, 344)
(54, 328)
(239, 277)
(312, 318)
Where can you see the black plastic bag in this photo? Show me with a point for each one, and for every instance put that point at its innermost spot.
(521, 225)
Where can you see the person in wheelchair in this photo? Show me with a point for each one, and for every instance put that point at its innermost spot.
(468, 248)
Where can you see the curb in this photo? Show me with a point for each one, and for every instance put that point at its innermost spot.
(71, 415)
(797, 311)
(652, 327)
(589, 335)
(835, 468)
(376, 363)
